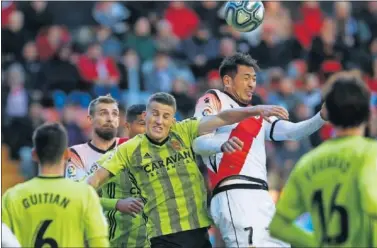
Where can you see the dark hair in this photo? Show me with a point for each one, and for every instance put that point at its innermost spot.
(163, 98)
(133, 111)
(101, 99)
(230, 64)
(347, 101)
(50, 140)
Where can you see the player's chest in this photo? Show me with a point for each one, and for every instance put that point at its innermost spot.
(169, 159)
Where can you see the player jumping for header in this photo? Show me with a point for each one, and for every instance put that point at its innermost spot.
(235, 155)
(163, 167)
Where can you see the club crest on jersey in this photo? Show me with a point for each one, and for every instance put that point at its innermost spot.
(71, 171)
(94, 168)
(176, 145)
(206, 112)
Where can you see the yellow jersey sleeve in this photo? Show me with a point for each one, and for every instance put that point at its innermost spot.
(5, 211)
(95, 222)
(290, 204)
(188, 128)
(116, 161)
(367, 180)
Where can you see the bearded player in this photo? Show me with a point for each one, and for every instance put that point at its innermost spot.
(103, 114)
(235, 155)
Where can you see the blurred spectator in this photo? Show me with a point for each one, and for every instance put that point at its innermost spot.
(162, 70)
(214, 80)
(99, 70)
(142, 41)
(37, 16)
(111, 14)
(368, 15)
(325, 47)
(50, 39)
(184, 20)
(32, 66)
(165, 39)
(199, 49)
(17, 97)
(311, 95)
(186, 104)
(14, 36)
(208, 13)
(285, 95)
(59, 73)
(75, 134)
(7, 7)
(310, 23)
(111, 46)
(227, 47)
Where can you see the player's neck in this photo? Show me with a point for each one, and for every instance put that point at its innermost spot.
(353, 131)
(51, 170)
(102, 144)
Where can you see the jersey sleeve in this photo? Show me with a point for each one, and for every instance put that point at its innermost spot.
(290, 204)
(117, 160)
(188, 128)
(208, 104)
(95, 222)
(367, 179)
(5, 210)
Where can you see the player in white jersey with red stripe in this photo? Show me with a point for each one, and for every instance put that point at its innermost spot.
(103, 114)
(235, 156)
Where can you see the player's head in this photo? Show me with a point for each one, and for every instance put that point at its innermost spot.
(347, 101)
(159, 117)
(135, 120)
(103, 114)
(50, 143)
(238, 73)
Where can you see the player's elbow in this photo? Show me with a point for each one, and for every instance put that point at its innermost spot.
(92, 181)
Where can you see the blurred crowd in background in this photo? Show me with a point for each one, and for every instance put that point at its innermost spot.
(57, 56)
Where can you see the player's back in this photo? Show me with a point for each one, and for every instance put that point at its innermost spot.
(53, 211)
(331, 181)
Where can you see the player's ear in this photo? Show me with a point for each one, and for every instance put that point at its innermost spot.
(66, 154)
(34, 155)
(226, 81)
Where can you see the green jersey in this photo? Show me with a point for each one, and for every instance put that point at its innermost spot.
(337, 184)
(124, 229)
(168, 178)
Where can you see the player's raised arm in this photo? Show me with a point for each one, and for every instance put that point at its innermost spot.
(288, 209)
(112, 166)
(280, 130)
(209, 124)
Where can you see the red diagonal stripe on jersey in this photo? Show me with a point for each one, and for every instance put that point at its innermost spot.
(232, 164)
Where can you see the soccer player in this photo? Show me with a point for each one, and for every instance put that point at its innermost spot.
(336, 182)
(103, 114)
(235, 155)
(126, 230)
(50, 210)
(162, 167)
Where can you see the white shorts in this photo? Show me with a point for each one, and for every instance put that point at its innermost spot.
(243, 217)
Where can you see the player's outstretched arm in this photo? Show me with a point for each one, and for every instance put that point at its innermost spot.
(280, 130)
(208, 124)
(112, 165)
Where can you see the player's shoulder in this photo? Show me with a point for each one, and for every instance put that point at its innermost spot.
(210, 98)
(130, 145)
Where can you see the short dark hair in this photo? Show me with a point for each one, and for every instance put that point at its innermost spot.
(163, 98)
(50, 140)
(133, 111)
(101, 99)
(347, 101)
(230, 64)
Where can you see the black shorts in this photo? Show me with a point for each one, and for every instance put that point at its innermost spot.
(197, 238)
